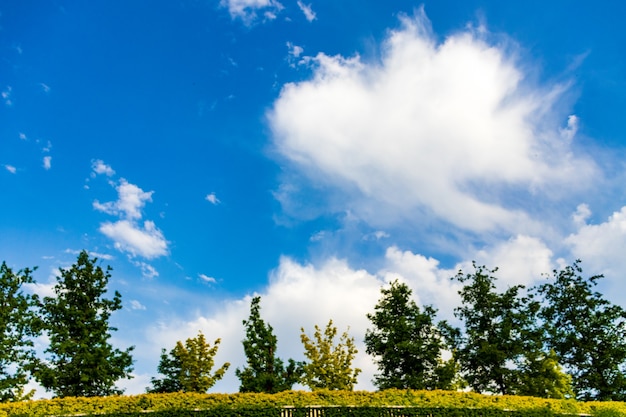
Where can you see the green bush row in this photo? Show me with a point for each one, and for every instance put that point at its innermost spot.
(250, 403)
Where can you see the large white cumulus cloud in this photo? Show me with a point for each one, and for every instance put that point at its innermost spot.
(449, 129)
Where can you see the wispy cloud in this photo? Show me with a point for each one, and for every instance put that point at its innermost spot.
(6, 95)
(248, 10)
(22, 136)
(207, 279)
(212, 198)
(136, 305)
(44, 87)
(10, 168)
(47, 162)
(99, 168)
(307, 10)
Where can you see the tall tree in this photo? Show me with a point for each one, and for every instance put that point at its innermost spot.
(499, 332)
(407, 344)
(17, 327)
(264, 372)
(587, 332)
(188, 367)
(81, 360)
(329, 366)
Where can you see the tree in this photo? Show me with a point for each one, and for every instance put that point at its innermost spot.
(543, 376)
(330, 365)
(407, 344)
(499, 332)
(187, 368)
(18, 326)
(587, 332)
(81, 361)
(264, 371)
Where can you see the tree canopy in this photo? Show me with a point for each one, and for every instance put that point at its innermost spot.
(587, 332)
(264, 371)
(18, 327)
(407, 343)
(188, 367)
(81, 362)
(329, 365)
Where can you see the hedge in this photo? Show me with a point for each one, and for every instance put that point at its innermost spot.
(352, 403)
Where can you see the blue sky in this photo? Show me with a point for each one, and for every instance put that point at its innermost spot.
(307, 152)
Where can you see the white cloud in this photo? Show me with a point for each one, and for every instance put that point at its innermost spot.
(130, 202)
(520, 260)
(45, 87)
(212, 198)
(247, 10)
(136, 305)
(571, 129)
(601, 248)
(6, 96)
(581, 215)
(22, 136)
(307, 10)
(47, 162)
(294, 52)
(99, 167)
(447, 130)
(146, 240)
(10, 168)
(207, 279)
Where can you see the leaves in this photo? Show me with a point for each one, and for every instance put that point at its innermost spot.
(81, 362)
(18, 322)
(264, 371)
(407, 344)
(188, 366)
(329, 366)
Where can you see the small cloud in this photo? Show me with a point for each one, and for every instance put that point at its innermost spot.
(47, 147)
(146, 240)
(318, 236)
(207, 279)
(45, 87)
(212, 198)
(147, 270)
(582, 214)
(6, 96)
(100, 167)
(294, 52)
(22, 136)
(10, 168)
(247, 10)
(569, 132)
(47, 162)
(136, 305)
(377, 235)
(307, 10)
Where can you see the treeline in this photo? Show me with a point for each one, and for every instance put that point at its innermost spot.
(560, 339)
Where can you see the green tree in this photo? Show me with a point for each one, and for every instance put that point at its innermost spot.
(407, 344)
(188, 367)
(587, 332)
(264, 371)
(499, 332)
(18, 324)
(542, 376)
(81, 361)
(329, 365)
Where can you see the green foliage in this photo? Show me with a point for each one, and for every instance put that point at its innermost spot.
(297, 403)
(81, 362)
(407, 344)
(17, 327)
(329, 365)
(264, 371)
(187, 368)
(543, 376)
(587, 332)
(499, 333)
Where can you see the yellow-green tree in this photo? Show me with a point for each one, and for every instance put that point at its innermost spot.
(187, 367)
(329, 365)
